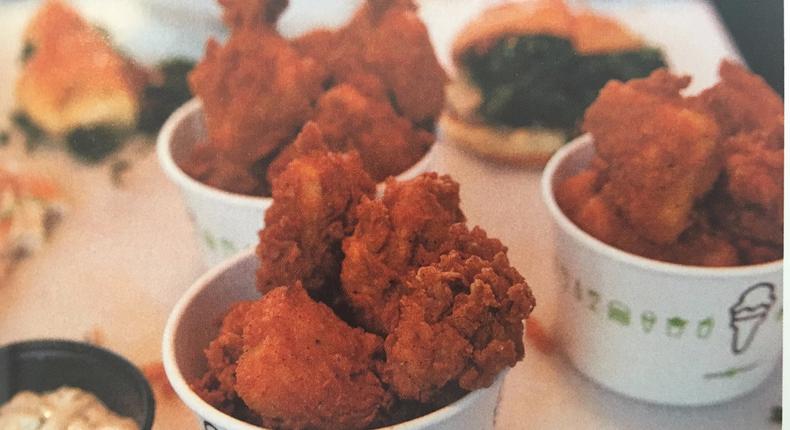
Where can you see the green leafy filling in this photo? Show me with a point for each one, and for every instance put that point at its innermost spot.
(34, 135)
(541, 81)
(160, 100)
(94, 143)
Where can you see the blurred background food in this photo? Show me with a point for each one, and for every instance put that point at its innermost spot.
(77, 89)
(527, 71)
(31, 206)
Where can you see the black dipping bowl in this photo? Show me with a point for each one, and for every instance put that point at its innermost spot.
(45, 365)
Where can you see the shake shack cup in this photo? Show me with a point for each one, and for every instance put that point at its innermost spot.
(656, 331)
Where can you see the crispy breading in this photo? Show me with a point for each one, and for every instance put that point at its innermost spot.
(395, 235)
(218, 385)
(257, 92)
(748, 202)
(461, 320)
(741, 101)
(311, 214)
(437, 308)
(667, 185)
(659, 169)
(302, 367)
(385, 38)
(387, 143)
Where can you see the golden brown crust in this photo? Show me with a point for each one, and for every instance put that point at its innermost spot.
(546, 17)
(521, 147)
(590, 33)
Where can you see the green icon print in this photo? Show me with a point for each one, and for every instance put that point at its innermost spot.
(210, 241)
(577, 290)
(619, 312)
(228, 246)
(731, 372)
(676, 326)
(648, 321)
(565, 277)
(705, 328)
(595, 298)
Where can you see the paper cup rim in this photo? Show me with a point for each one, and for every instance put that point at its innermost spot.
(208, 412)
(164, 141)
(587, 240)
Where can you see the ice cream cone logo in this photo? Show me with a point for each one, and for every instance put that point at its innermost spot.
(748, 313)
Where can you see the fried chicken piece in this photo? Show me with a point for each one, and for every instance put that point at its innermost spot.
(461, 320)
(447, 300)
(658, 170)
(257, 91)
(741, 101)
(394, 235)
(217, 386)
(387, 143)
(309, 141)
(314, 198)
(385, 38)
(748, 201)
(302, 367)
(251, 13)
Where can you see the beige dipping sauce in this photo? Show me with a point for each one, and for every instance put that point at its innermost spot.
(66, 408)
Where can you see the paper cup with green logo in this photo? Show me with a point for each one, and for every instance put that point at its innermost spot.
(224, 222)
(191, 326)
(655, 331)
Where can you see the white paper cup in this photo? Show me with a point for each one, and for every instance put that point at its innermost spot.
(224, 222)
(190, 328)
(656, 331)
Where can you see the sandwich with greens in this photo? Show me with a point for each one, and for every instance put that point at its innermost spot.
(527, 71)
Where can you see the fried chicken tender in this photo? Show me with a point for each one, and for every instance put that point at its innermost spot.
(304, 368)
(461, 320)
(311, 214)
(748, 201)
(387, 40)
(741, 101)
(714, 192)
(217, 386)
(660, 168)
(394, 235)
(447, 300)
(437, 308)
(349, 120)
(257, 92)
(387, 143)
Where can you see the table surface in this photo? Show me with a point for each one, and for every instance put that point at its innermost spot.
(124, 254)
